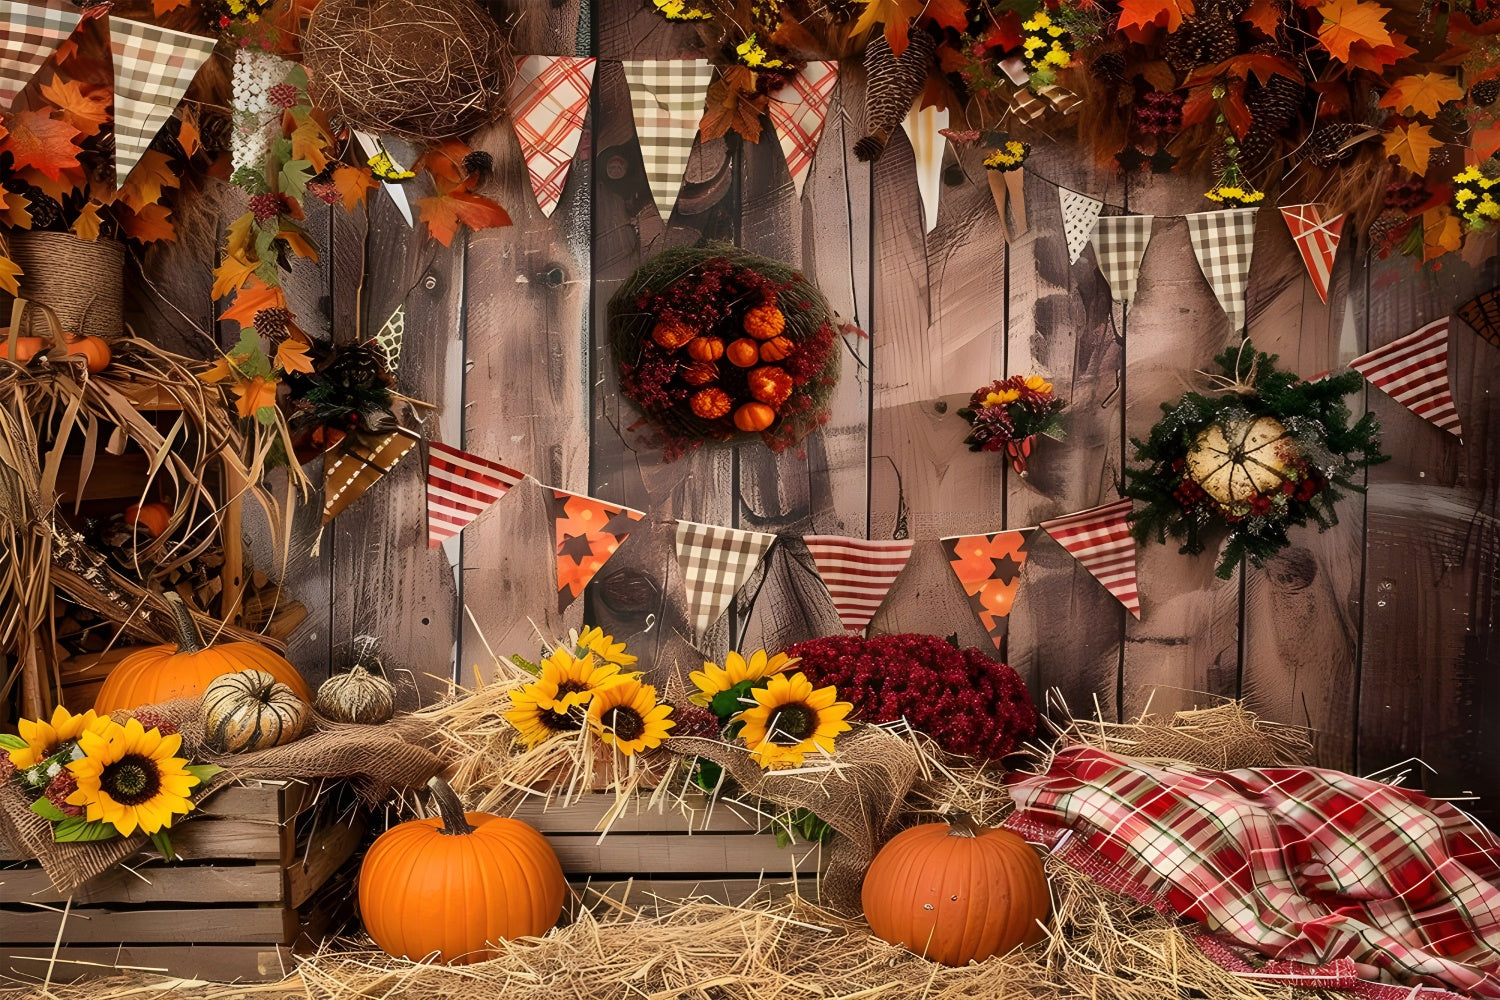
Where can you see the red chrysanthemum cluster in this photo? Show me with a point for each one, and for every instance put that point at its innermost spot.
(966, 701)
(1160, 112)
(59, 788)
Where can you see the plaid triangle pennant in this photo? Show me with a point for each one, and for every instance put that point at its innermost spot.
(924, 127)
(548, 101)
(798, 111)
(1414, 372)
(1223, 242)
(858, 573)
(715, 563)
(1316, 240)
(1482, 313)
(666, 97)
(588, 532)
(460, 487)
(29, 34)
(1119, 243)
(388, 338)
(989, 568)
(356, 462)
(1080, 213)
(1099, 538)
(153, 68)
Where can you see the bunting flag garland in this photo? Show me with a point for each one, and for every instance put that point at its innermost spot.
(924, 127)
(357, 461)
(1223, 242)
(1100, 539)
(29, 33)
(858, 573)
(989, 568)
(153, 68)
(388, 338)
(1414, 372)
(1119, 243)
(1080, 213)
(667, 98)
(588, 532)
(1482, 313)
(548, 101)
(715, 563)
(460, 487)
(1009, 187)
(798, 111)
(1317, 241)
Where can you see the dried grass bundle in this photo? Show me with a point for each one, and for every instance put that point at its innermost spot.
(1224, 737)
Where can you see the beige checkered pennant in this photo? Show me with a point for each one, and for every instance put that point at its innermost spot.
(153, 68)
(667, 97)
(29, 33)
(716, 562)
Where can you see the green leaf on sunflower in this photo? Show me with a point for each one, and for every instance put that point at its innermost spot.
(44, 808)
(162, 841)
(731, 702)
(12, 742)
(77, 830)
(204, 772)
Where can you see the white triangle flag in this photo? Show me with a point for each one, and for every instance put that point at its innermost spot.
(924, 127)
(153, 68)
(1080, 213)
(667, 97)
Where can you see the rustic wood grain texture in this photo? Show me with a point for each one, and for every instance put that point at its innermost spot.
(230, 963)
(243, 884)
(237, 925)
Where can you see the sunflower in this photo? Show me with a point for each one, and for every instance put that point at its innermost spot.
(131, 778)
(44, 739)
(714, 679)
(568, 681)
(593, 640)
(791, 720)
(537, 723)
(627, 715)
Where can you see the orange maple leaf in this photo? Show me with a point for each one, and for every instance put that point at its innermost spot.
(1265, 16)
(232, 275)
(148, 224)
(1441, 232)
(167, 6)
(1412, 146)
(292, 356)
(298, 242)
(896, 15)
(85, 110)
(253, 394)
(1138, 17)
(733, 103)
(445, 161)
(311, 143)
(444, 212)
(1347, 23)
(353, 184)
(223, 367)
(1484, 137)
(8, 271)
(88, 223)
(16, 215)
(254, 296)
(1422, 94)
(188, 136)
(1382, 57)
(146, 181)
(38, 140)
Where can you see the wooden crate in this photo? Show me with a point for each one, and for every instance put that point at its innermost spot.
(233, 908)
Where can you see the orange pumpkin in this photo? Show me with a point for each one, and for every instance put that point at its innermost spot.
(184, 670)
(94, 351)
(456, 884)
(705, 348)
(26, 347)
(700, 372)
(154, 517)
(670, 335)
(777, 349)
(764, 322)
(710, 404)
(754, 417)
(956, 892)
(744, 352)
(770, 385)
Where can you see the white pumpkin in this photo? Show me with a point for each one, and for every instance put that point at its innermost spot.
(357, 696)
(1241, 460)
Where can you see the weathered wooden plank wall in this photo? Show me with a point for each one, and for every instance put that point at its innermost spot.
(1379, 634)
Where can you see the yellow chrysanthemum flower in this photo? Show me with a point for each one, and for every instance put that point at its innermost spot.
(627, 716)
(1038, 384)
(754, 55)
(382, 166)
(1001, 397)
(593, 640)
(714, 679)
(131, 779)
(1059, 56)
(791, 720)
(568, 681)
(535, 723)
(45, 738)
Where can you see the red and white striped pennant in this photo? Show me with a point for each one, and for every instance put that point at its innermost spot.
(460, 487)
(798, 111)
(1100, 539)
(1414, 372)
(1317, 241)
(858, 573)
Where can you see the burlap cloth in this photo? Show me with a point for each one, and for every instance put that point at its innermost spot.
(373, 760)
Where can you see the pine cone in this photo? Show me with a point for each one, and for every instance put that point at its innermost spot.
(1109, 66)
(1255, 151)
(1275, 105)
(1200, 42)
(1226, 10)
(1485, 91)
(893, 85)
(45, 211)
(1325, 147)
(479, 162)
(214, 131)
(272, 322)
(356, 365)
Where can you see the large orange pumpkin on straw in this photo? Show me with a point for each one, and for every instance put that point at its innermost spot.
(456, 884)
(184, 670)
(956, 892)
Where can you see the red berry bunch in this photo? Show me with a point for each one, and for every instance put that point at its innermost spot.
(264, 207)
(1160, 113)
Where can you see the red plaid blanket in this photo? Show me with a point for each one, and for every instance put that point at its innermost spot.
(1337, 880)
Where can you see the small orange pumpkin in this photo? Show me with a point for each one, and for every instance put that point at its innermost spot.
(770, 385)
(700, 372)
(154, 517)
(744, 352)
(26, 347)
(765, 322)
(705, 348)
(457, 884)
(956, 892)
(670, 334)
(94, 351)
(162, 673)
(777, 349)
(754, 417)
(710, 404)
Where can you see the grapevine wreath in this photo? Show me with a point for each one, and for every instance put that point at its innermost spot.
(1268, 452)
(714, 343)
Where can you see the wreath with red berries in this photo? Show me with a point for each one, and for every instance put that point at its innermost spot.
(1268, 452)
(714, 343)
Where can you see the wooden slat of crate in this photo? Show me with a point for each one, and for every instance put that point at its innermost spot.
(152, 884)
(228, 963)
(699, 853)
(104, 925)
(588, 813)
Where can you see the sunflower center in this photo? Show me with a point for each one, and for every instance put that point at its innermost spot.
(625, 722)
(131, 780)
(560, 722)
(791, 724)
(571, 687)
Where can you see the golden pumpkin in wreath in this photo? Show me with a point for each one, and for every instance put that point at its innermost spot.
(1241, 460)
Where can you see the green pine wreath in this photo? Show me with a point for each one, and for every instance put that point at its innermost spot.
(1267, 452)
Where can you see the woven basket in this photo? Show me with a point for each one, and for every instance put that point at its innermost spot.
(83, 281)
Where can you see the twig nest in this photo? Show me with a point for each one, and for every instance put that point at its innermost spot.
(423, 69)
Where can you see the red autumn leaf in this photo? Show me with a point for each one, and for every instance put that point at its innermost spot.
(947, 13)
(1200, 101)
(444, 212)
(1264, 16)
(149, 224)
(445, 161)
(1484, 140)
(188, 136)
(84, 109)
(1261, 65)
(1350, 23)
(255, 296)
(733, 103)
(1138, 17)
(42, 142)
(896, 15)
(1381, 58)
(1235, 111)
(161, 7)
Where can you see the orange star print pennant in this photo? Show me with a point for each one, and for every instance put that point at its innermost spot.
(588, 532)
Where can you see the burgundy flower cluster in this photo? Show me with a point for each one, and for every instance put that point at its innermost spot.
(966, 701)
(1160, 113)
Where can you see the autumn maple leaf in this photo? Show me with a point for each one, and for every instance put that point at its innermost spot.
(39, 141)
(1412, 146)
(85, 110)
(311, 143)
(1422, 94)
(353, 184)
(897, 16)
(254, 394)
(223, 368)
(733, 103)
(1138, 17)
(1441, 232)
(88, 223)
(254, 297)
(1347, 23)
(292, 356)
(149, 224)
(443, 212)
(232, 275)
(188, 136)
(1265, 16)
(151, 175)
(9, 269)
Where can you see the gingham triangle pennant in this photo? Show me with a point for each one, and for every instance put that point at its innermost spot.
(798, 111)
(1482, 313)
(989, 568)
(588, 532)
(1223, 242)
(549, 99)
(1080, 213)
(1119, 243)
(715, 563)
(1100, 539)
(460, 487)
(1317, 241)
(858, 573)
(358, 461)
(29, 33)
(1414, 372)
(924, 127)
(153, 68)
(666, 98)
(388, 338)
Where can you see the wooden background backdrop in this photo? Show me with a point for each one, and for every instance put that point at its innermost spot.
(1379, 635)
